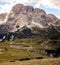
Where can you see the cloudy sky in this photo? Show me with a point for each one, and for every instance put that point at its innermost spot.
(50, 6)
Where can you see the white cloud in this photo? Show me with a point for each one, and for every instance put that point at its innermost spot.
(5, 8)
(51, 3)
(37, 5)
(48, 3)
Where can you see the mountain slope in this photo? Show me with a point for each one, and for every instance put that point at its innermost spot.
(26, 17)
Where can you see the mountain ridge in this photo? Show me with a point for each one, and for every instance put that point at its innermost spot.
(34, 19)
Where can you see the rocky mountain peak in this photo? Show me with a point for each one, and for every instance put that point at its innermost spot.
(17, 8)
(22, 15)
(53, 17)
(20, 8)
(39, 11)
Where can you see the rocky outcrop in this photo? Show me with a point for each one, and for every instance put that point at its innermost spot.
(53, 17)
(3, 18)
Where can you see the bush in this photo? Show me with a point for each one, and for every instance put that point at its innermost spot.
(39, 57)
(23, 59)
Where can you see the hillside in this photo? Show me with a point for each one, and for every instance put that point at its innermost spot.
(29, 34)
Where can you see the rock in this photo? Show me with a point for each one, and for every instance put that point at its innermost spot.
(17, 8)
(39, 11)
(3, 16)
(52, 17)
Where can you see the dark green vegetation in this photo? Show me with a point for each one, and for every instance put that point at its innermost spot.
(29, 48)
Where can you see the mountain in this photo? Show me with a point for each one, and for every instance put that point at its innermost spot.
(28, 21)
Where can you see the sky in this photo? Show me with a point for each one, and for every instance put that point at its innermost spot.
(50, 6)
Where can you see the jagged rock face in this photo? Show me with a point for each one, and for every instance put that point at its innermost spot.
(3, 29)
(21, 16)
(17, 8)
(39, 11)
(53, 17)
(57, 22)
(2, 17)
